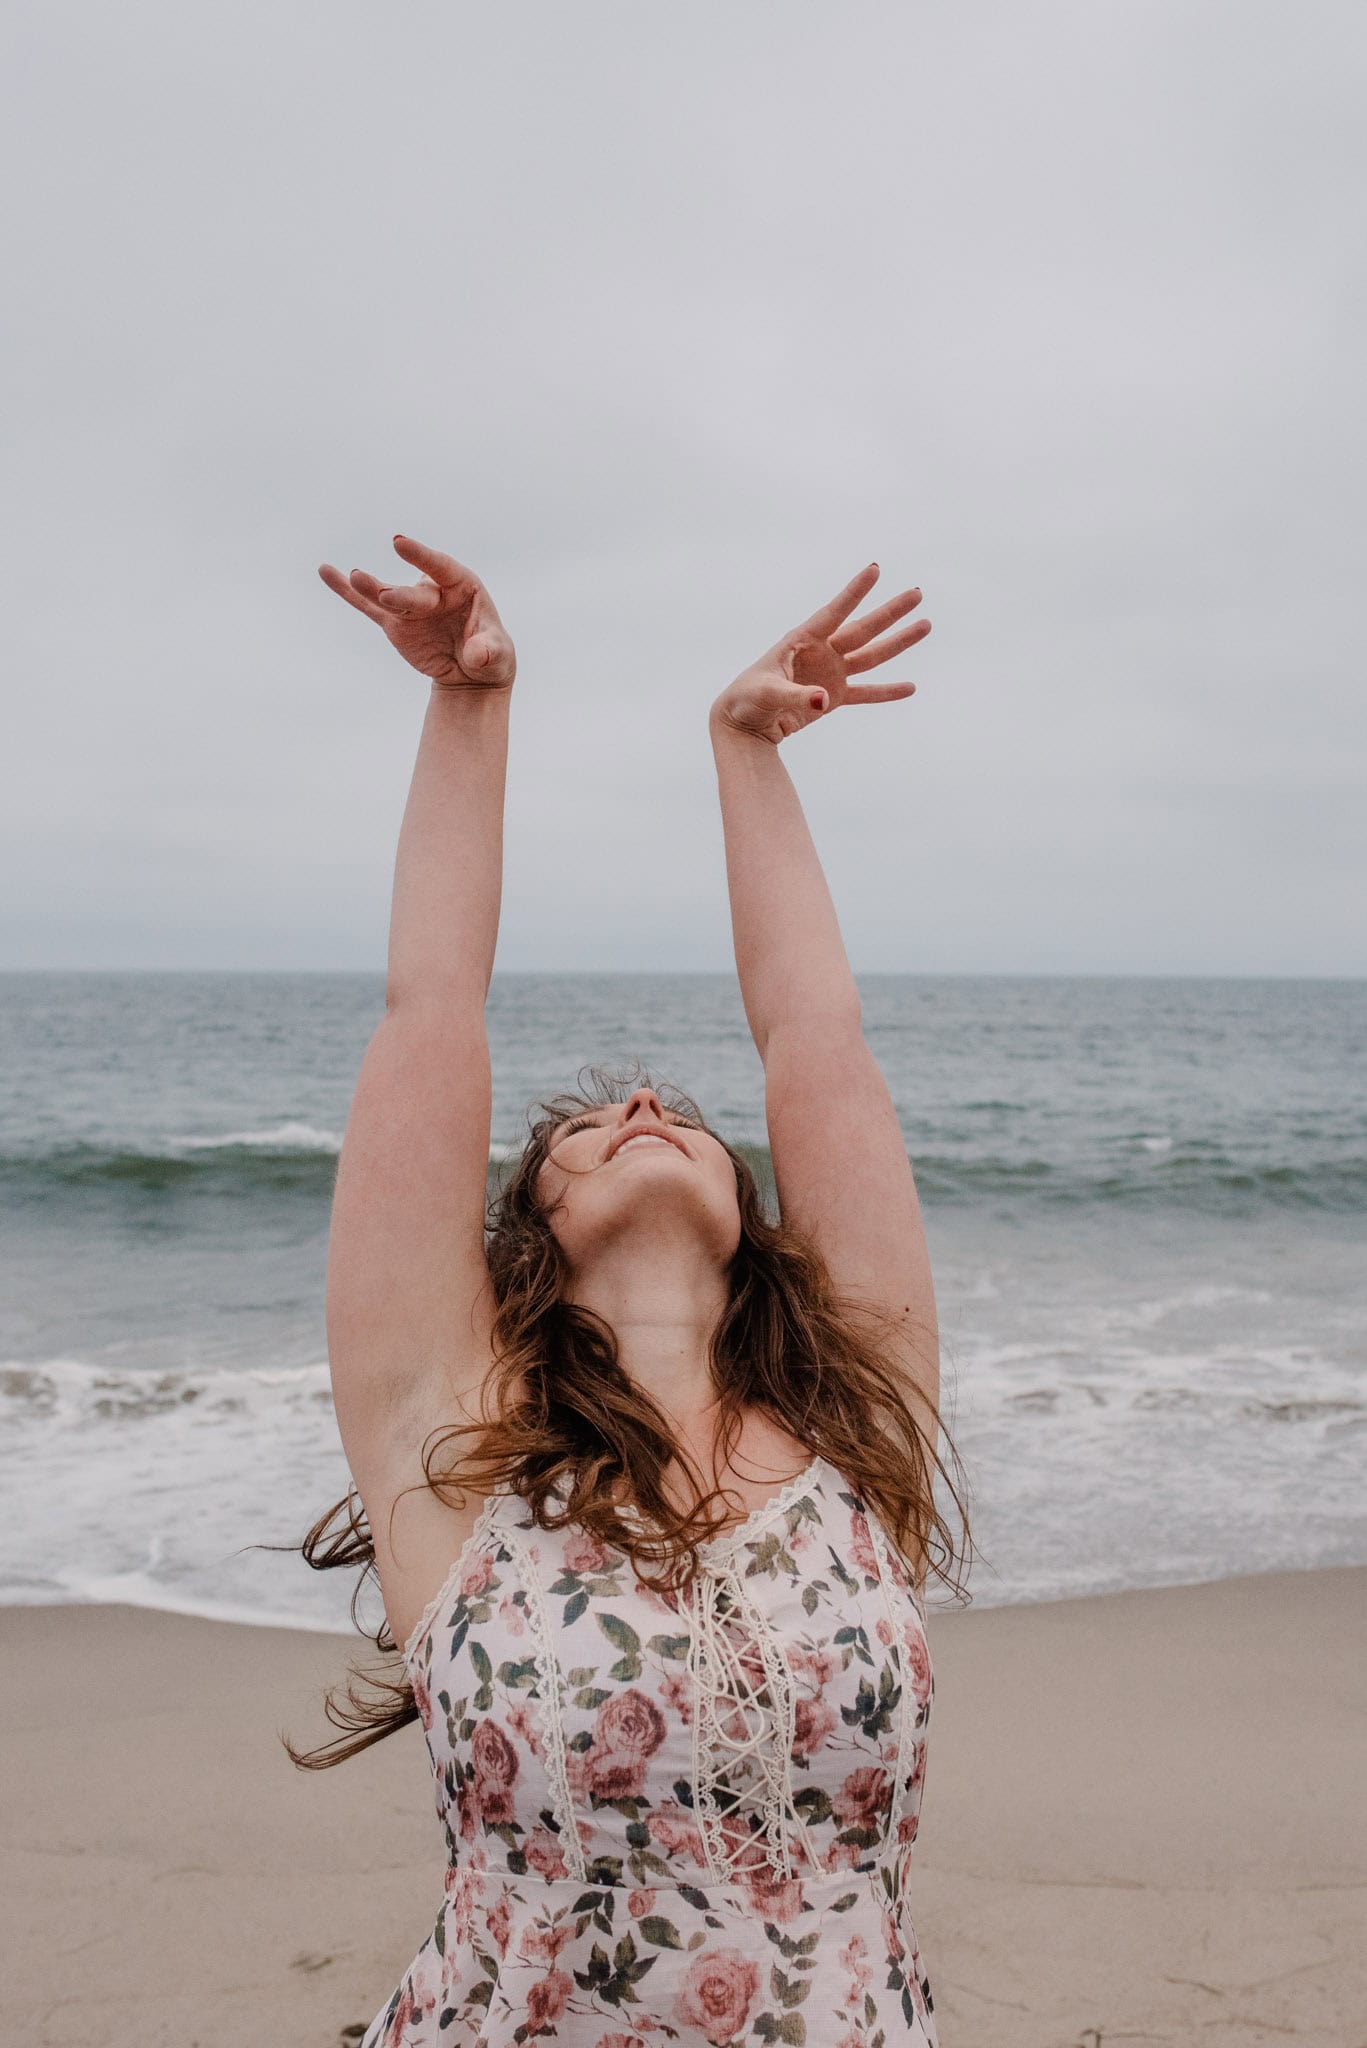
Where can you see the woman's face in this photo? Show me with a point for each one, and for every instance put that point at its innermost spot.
(625, 1166)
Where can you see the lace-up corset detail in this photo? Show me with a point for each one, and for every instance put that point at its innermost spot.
(742, 1773)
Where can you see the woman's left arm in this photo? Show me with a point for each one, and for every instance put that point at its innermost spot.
(840, 1162)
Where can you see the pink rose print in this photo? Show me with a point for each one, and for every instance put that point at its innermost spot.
(512, 1617)
(543, 1944)
(628, 1730)
(476, 1575)
(917, 1664)
(467, 1810)
(640, 1902)
(772, 1897)
(884, 1632)
(499, 1920)
(427, 1981)
(462, 1887)
(611, 1777)
(545, 1854)
(630, 1722)
(854, 1958)
(620, 2041)
(813, 1724)
(861, 1546)
(523, 1723)
(718, 1995)
(547, 2000)
(675, 1829)
(818, 1667)
(862, 1799)
(585, 1554)
(422, 1699)
(496, 1769)
(678, 1698)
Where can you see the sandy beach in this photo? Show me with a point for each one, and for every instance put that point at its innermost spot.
(1145, 1821)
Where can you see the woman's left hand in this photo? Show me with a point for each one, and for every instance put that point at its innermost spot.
(808, 673)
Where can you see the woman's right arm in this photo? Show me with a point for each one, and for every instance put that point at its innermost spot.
(409, 1305)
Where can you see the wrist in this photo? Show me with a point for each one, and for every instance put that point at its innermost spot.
(726, 730)
(476, 701)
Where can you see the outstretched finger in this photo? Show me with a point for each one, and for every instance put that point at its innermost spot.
(830, 616)
(444, 570)
(335, 580)
(859, 632)
(883, 650)
(878, 693)
(410, 600)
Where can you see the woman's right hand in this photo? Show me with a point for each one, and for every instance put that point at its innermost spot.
(445, 625)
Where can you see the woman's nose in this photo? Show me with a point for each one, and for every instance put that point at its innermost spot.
(643, 1102)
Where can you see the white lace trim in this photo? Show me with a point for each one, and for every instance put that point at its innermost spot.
(787, 1497)
(548, 1707)
(467, 1550)
(906, 1717)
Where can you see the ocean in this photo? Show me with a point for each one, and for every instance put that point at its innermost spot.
(1146, 1202)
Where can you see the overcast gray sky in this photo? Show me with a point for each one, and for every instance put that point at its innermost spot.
(667, 320)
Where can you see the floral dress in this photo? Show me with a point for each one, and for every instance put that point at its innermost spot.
(674, 1818)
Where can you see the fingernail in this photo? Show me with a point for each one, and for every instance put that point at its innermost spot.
(819, 700)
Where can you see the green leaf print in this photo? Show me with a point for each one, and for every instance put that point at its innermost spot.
(789, 1991)
(813, 1802)
(621, 1633)
(598, 1971)
(670, 1646)
(788, 1947)
(515, 1676)
(484, 1670)
(791, 2029)
(575, 1607)
(654, 1927)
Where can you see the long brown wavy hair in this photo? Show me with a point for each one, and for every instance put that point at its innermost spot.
(575, 1437)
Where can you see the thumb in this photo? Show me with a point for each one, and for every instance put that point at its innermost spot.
(487, 657)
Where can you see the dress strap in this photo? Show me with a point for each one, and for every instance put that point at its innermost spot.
(487, 1517)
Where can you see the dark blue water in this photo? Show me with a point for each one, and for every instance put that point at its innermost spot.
(1146, 1204)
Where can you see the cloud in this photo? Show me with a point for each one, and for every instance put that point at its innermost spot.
(668, 323)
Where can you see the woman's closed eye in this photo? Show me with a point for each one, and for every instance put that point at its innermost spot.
(593, 1123)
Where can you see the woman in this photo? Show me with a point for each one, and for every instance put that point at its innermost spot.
(675, 1685)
